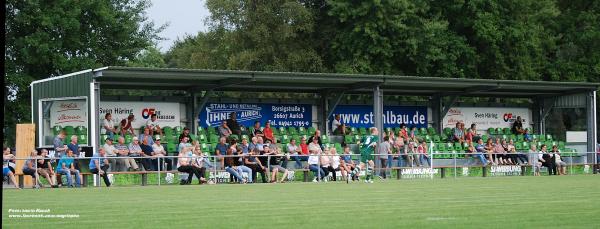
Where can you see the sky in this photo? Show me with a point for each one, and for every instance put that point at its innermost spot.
(184, 17)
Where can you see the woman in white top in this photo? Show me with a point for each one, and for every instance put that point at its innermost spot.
(335, 164)
(561, 166)
(326, 163)
(313, 165)
(109, 125)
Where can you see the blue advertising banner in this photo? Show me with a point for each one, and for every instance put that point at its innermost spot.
(247, 113)
(393, 116)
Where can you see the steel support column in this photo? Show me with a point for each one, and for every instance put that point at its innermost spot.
(436, 110)
(378, 110)
(591, 123)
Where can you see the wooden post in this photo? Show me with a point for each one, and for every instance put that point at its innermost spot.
(443, 171)
(484, 171)
(144, 179)
(523, 168)
(24, 145)
(305, 173)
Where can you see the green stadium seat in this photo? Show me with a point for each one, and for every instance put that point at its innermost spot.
(56, 130)
(302, 130)
(171, 147)
(542, 138)
(561, 145)
(82, 139)
(292, 130)
(81, 130)
(431, 131)
(285, 139)
(167, 130)
(244, 136)
(362, 131)
(206, 148)
(338, 148)
(235, 137)
(213, 138)
(520, 138)
(128, 139)
(211, 130)
(70, 131)
(201, 130)
(324, 139)
(422, 131)
(103, 138)
(491, 131)
(447, 131)
(353, 130)
(202, 138)
(193, 137)
(549, 137)
(177, 130)
(437, 139)
(348, 139)
(311, 131)
(506, 131)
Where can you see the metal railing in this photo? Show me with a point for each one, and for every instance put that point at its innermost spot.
(436, 161)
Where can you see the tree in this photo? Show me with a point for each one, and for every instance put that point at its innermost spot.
(50, 38)
(252, 35)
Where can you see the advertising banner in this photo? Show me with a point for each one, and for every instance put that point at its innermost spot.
(168, 114)
(69, 113)
(247, 113)
(362, 116)
(487, 117)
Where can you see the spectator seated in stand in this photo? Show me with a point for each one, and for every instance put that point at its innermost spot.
(526, 136)
(233, 124)
(268, 132)
(135, 150)
(561, 166)
(123, 157)
(517, 127)
(29, 168)
(458, 133)
(185, 133)
(111, 153)
(224, 130)
(108, 126)
(258, 131)
(65, 167)
(7, 169)
(337, 127)
(153, 127)
(547, 160)
(159, 153)
(126, 125)
(45, 168)
(184, 163)
(99, 165)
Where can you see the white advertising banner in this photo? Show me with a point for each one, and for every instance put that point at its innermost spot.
(69, 113)
(168, 114)
(487, 117)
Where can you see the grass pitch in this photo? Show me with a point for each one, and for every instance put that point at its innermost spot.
(507, 202)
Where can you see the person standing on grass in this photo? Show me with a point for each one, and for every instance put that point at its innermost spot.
(367, 148)
(99, 165)
(533, 159)
(66, 167)
(384, 149)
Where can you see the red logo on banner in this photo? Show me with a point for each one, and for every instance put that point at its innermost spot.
(507, 116)
(147, 112)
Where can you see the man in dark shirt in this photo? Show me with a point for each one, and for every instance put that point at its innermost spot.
(185, 133)
(233, 125)
(318, 136)
(517, 127)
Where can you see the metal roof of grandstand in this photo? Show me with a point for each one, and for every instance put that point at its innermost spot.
(229, 80)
